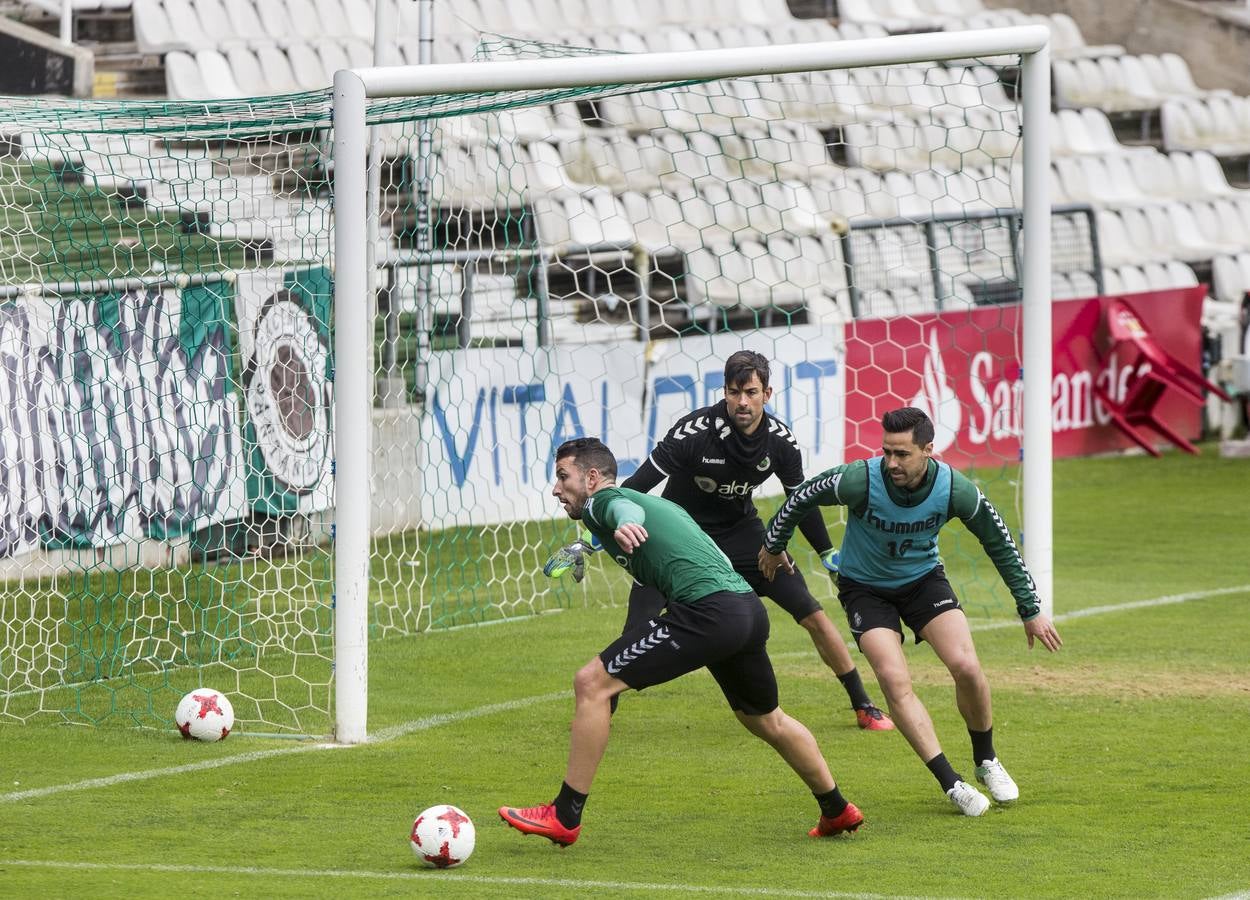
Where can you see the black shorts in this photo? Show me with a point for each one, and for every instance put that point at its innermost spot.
(915, 604)
(742, 545)
(727, 633)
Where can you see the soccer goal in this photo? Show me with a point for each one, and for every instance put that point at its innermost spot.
(281, 377)
(726, 110)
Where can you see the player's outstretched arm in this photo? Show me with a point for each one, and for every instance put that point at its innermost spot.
(1041, 628)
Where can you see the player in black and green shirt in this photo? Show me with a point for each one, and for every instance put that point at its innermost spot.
(891, 575)
(713, 620)
(714, 459)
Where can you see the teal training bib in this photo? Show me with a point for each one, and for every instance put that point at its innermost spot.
(891, 545)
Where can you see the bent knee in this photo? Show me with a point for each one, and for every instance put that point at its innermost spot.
(592, 681)
(896, 683)
(768, 727)
(966, 668)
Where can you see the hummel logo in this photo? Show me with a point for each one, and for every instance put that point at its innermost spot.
(714, 462)
(577, 807)
(945, 602)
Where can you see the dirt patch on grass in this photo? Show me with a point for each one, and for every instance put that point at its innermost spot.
(1073, 681)
(1117, 681)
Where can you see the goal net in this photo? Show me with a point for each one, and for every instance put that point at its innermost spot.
(234, 435)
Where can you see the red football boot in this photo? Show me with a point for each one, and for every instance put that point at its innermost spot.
(849, 819)
(872, 719)
(540, 820)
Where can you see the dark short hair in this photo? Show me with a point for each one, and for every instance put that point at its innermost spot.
(897, 421)
(740, 365)
(589, 453)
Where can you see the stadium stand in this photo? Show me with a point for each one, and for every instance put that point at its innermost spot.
(759, 179)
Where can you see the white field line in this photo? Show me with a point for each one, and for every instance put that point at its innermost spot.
(381, 736)
(1167, 600)
(446, 878)
(436, 721)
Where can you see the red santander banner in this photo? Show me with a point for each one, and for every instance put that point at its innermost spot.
(963, 368)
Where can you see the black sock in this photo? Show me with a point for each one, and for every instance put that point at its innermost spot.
(982, 745)
(941, 768)
(569, 805)
(855, 689)
(616, 698)
(831, 803)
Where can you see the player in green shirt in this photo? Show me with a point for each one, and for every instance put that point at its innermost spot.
(891, 575)
(713, 620)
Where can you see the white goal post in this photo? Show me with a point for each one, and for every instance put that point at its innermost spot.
(353, 387)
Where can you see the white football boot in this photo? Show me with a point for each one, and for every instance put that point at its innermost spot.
(968, 799)
(1001, 787)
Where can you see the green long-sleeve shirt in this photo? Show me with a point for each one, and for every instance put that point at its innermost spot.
(847, 485)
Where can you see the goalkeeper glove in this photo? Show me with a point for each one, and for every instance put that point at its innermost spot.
(829, 559)
(571, 558)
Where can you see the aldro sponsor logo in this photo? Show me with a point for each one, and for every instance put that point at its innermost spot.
(732, 489)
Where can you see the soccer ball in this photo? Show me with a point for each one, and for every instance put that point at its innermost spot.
(443, 837)
(205, 714)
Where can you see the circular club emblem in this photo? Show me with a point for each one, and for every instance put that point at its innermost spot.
(289, 396)
(705, 484)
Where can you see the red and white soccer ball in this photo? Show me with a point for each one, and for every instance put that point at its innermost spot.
(205, 714)
(443, 837)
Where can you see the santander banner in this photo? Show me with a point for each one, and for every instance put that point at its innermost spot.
(963, 368)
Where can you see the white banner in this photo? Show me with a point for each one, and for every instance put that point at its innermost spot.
(118, 419)
(495, 417)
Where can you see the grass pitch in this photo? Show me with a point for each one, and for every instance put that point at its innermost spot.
(1129, 747)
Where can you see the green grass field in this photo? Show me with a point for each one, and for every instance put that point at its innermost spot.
(1129, 747)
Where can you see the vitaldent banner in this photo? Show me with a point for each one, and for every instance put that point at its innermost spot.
(118, 418)
(963, 368)
(495, 417)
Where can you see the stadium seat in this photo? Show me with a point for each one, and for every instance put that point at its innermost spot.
(218, 28)
(1069, 43)
(1127, 83)
(183, 80)
(1157, 371)
(800, 272)
(1133, 279)
(1113, 285)
(1069, 136)
(244, 21)
(278, 74)
(1180, 275)
(154, 33)
(217, 74)
(246, 71)
(701, 215)
(1117, 247)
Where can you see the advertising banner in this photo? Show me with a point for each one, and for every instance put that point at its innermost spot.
(963, 368)
(118, 418)
(284, 344)
(495, 417)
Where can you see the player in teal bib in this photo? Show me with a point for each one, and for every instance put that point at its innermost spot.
(713, 619)
(891, 545)
(891, 575)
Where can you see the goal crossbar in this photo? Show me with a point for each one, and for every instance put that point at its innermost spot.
(353, 88)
